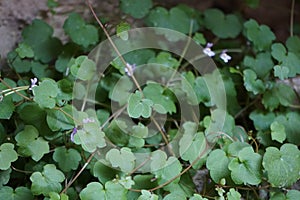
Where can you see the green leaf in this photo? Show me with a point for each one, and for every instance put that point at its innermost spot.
(174, 196)
(68, 159)
(252, 83)
(95, 191)
(38, 36)
(45, 93)
(90, 137)
(20, 193)
(192, 145)
(217, 163)
(281, 72)
(261, 65)
(81, 33)
(138, 106)
(57, 120)
(175, 19)
(126, 182)
(21, 66)
(169, 170)
(223, 26)
(201, 91)
(282, 166)
(262, 121)
(41, 70)
(24, 51)
(199, 39)
(122, 30)
(136, 57)
(233, 194)
(278, 51)
(56, 196)
(4, 176)
(293, 44)
(158, 160)
(246, 168)
(235, 148)
(47, 181)
(219, 121)
(136, 8)
(140, 130)
(83, 68)
(261, 36)
(30, 144)
(103, 172)
(68, 51)
(123, 158)
(121, 91)
(286, 59)
(165, 59)
(7, 107)
(7, 155)
(197, 197)
(293, 194)
(146, 195)
(289, 121)
(278, 132)
(280, 94)
(155, 93)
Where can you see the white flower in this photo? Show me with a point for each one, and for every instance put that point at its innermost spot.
(207, 50)
(224, 56)
(88, 120)
(129, 69)
(33, 83)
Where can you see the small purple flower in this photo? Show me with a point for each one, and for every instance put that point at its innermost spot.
(73, 134)
(207, 50)
(224, 56)
(129, 69)
(33, 83)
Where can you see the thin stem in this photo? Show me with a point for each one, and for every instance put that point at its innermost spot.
(113, 45)
(180, 174)
(141, 165)
(183, 53)
(97, 103)
(183, 172)
(294, 106)
(292, 18)
(225, 134)
(67, 114)
(163, 135)
(17, 92)
(78, 174)
(85, 96)
(188, 42)
(22, 171)
(16, 88)
(114, 115)
(12, 92)
(245, 108)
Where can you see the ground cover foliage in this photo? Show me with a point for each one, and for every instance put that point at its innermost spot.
(244, 127)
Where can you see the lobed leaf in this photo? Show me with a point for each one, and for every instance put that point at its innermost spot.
(282, 166)
(46, 181)
(7, 155)
(30, 144)
(136, 8)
